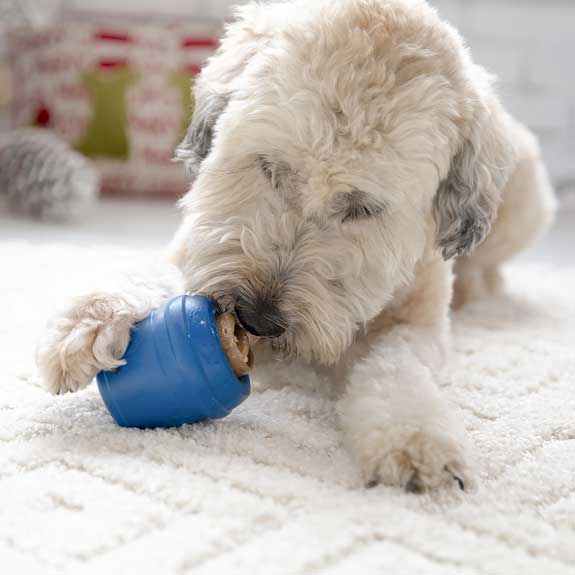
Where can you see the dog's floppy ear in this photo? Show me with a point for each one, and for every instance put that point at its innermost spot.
(242, 40)
(198, 140)
(467, 199)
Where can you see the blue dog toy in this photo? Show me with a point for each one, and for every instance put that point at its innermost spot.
(176, 370)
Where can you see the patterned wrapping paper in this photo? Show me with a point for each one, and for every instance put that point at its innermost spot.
(117, 91)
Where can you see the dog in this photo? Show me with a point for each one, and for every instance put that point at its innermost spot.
(348, 160)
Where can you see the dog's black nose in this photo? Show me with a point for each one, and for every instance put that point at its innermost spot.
(260, 317)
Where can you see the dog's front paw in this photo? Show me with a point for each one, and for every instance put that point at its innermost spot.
(415, 460)
(92, 335)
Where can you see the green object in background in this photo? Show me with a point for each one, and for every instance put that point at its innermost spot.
(106, 133)
(183, 81)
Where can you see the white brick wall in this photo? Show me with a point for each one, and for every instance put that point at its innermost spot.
(530, 46)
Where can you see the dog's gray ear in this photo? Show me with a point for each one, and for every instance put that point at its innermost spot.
(462, 213)
(466, 202)
(243, 39)
(197, 143)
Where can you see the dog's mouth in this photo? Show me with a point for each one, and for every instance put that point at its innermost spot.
(295, 341)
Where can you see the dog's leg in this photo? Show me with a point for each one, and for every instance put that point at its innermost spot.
(94, 332)
(397, 424)
(395, 420)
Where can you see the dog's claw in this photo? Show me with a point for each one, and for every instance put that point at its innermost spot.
(371, 484)
(414, 485)
(456, 478)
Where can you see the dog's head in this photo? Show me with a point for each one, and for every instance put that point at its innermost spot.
(333, 146)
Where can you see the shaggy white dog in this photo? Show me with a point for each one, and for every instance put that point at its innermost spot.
(343, 153)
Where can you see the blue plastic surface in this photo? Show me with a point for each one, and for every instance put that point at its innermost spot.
(176, 371)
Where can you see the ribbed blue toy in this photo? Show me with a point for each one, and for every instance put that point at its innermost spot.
(176, 370)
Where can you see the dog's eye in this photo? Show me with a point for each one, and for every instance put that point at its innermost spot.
(357, 205)
(361, 212)
(278, 173)
(266, 167)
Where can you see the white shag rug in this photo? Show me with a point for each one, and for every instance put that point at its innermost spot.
(270, 489)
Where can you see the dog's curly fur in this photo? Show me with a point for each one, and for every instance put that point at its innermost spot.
(342, 153)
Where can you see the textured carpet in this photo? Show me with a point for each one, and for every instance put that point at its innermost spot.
(270, 489)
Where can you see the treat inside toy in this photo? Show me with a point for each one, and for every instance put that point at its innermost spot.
(235, 344)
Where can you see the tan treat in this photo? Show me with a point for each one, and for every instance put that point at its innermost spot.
(235, 344)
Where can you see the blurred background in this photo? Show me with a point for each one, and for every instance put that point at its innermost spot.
(111, 77)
